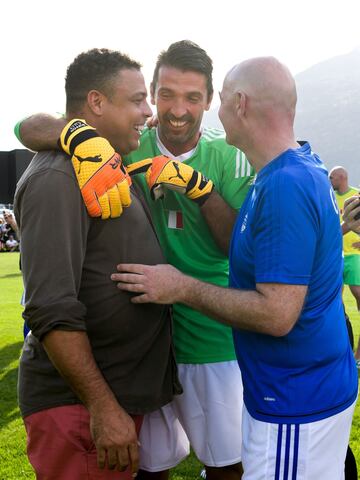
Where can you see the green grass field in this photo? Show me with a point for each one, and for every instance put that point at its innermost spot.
(13, 460)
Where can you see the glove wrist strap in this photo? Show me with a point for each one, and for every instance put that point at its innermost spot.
(74, 133)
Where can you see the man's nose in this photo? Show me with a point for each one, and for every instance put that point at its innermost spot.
(179, 108)
(147, 110)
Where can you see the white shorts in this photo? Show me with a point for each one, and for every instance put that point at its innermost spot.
(207, 415)
(310, 451)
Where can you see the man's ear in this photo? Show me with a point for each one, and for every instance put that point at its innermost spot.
(96, 100)
(152, 93)
(240, 103)
(210, 97)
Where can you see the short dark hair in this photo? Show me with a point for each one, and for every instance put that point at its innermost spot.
(186, 56)
(94, 70)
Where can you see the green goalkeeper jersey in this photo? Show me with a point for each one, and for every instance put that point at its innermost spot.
(187, 242)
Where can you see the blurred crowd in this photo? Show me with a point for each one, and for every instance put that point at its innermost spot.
(9, 239)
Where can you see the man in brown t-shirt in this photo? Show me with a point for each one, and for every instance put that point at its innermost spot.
(94, 362)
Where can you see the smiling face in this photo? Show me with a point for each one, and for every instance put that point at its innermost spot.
(181, 99)
(125, 111)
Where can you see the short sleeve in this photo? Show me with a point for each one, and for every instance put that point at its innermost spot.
(285, 231)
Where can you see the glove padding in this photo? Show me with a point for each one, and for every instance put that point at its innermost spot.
(173, 175)
(102, 177)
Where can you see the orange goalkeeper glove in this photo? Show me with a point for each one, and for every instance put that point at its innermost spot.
(102, 177)
(177, 176)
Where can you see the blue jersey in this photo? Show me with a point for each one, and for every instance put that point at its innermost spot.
(288, 232)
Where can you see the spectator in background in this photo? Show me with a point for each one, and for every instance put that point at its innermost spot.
(2, 231)
(7, 227)
(11, 223)
(339, 180)
(12, 245)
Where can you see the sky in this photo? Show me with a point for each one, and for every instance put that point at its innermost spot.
(39, 39)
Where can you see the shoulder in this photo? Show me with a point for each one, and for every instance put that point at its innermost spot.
(48, 172)
(299, 171)
(214, 140)
(285, 184)
(49, 161)
(210, 134)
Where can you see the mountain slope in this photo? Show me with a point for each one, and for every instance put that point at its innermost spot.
(328, 113)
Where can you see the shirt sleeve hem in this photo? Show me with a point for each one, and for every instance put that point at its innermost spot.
(288, 279)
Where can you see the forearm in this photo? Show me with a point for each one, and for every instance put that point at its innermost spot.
(220, 218)
(244, 309)
(71, 354)
(271, 308)
(41, 132)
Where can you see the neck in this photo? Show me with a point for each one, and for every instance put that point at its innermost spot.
(261, 152)
(265, 141)
(85, 114)
(177, 149)
(75, 114)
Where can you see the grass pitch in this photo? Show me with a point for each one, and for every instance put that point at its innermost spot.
(13, 461)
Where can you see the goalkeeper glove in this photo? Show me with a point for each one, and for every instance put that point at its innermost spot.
(177, 176)
(102, 177)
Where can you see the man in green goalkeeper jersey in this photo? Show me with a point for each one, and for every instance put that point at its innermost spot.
(208, 414)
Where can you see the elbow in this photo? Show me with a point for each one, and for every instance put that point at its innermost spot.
(28, 143)
(280, 331)
(282, 326)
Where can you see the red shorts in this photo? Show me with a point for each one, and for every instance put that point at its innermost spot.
(60, 447)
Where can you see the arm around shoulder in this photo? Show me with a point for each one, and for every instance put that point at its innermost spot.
(40, 132)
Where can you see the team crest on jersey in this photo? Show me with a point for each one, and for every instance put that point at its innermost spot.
(244, 224)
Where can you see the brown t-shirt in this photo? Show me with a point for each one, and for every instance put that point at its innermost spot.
(67, 260)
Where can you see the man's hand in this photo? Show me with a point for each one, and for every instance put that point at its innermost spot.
(103, 179)
(257, 310)
(114, 435)
(177, 176)
(154, 283)
(351, 210)
(152, 121)
(112, 430)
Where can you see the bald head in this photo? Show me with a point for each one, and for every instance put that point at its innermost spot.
(257, 109)
(267, 83)
(339, 179)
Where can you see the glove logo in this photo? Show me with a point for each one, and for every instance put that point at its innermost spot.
(95, 159)
(117, 163)
(178, 174)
